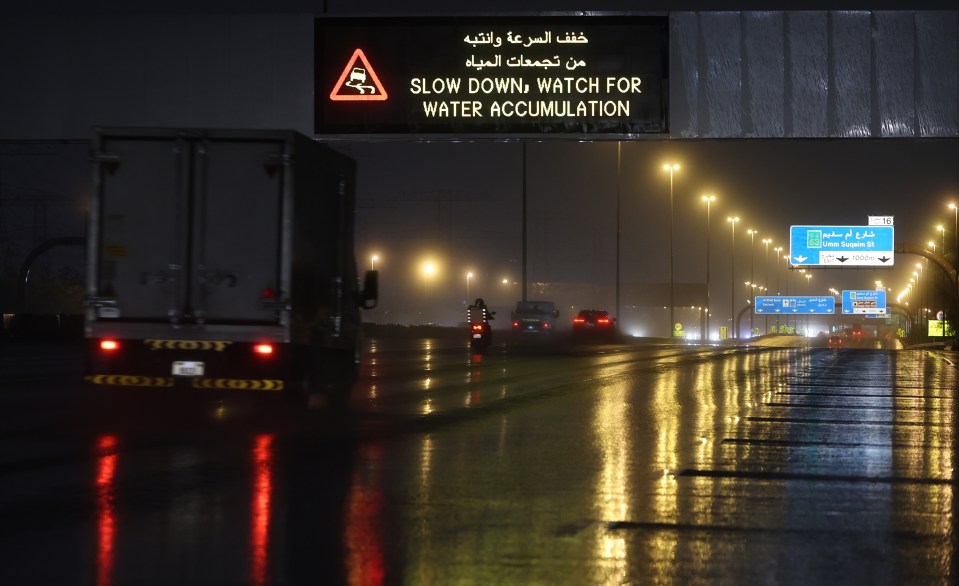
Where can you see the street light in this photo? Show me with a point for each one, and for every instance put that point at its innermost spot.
(955, 212)
(767, 242)
(469, 276)
(709, 199)
(778, 251)
(732, 278)
(752, 266)
(373, 260)
(671, 168)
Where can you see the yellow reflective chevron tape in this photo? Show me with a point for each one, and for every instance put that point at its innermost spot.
(237, 384)
(130, 380)
(215, 345)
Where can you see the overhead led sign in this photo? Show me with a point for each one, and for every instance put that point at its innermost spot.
(596, 75)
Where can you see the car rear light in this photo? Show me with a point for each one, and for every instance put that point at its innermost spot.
(109, 345)
(579, 320)
(603, 320)
(264, 349)
(545, 325)
(515, 324)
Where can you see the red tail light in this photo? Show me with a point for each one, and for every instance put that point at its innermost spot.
(109, 345)
(264, 349)
(579, 320)
(515, 324)
(268, 293)
(477, 327)
(603, 320)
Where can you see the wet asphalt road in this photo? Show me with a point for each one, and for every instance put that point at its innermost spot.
(540, 464)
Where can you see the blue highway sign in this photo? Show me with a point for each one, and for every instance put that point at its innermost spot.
(801, 304)
(867, 302)
(841, 246)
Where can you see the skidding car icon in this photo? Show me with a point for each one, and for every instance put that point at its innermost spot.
(358, 81)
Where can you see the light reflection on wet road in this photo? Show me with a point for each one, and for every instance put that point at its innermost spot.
(538, 465)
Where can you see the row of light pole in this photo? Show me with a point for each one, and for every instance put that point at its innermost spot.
(671, 168)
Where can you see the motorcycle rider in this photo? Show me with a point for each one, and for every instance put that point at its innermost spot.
(478, 317)
(479, 312)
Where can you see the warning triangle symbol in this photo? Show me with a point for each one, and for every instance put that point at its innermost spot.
(358, 82)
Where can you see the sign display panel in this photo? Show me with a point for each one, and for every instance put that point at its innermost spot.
(805, 304)
(941, 328)
(538, 75)
(841, 246)
(864, 302)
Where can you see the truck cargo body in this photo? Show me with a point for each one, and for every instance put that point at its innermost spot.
(221, 259)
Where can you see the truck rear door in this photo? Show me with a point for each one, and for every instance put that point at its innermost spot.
(238, 187)
(143, 213)
(190, 228)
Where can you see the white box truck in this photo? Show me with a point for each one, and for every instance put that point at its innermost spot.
(223, 260)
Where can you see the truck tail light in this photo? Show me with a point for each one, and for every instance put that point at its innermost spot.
(268, 293)
(263, 349)
(109, 345)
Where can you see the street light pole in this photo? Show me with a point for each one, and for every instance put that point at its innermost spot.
(752, 270)
(671, 168)
(778, 251)
(767, 242)
(732, 278)
(709, 199)
(955, 210)
(955, 263)
(468, 277)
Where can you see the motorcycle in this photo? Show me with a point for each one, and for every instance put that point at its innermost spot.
(480, 337)
(481, 334)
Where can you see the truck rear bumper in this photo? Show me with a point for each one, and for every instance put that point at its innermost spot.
(196, 364)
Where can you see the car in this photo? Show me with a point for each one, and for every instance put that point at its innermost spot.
(594, 323)
(534, 317)
(834, 341)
